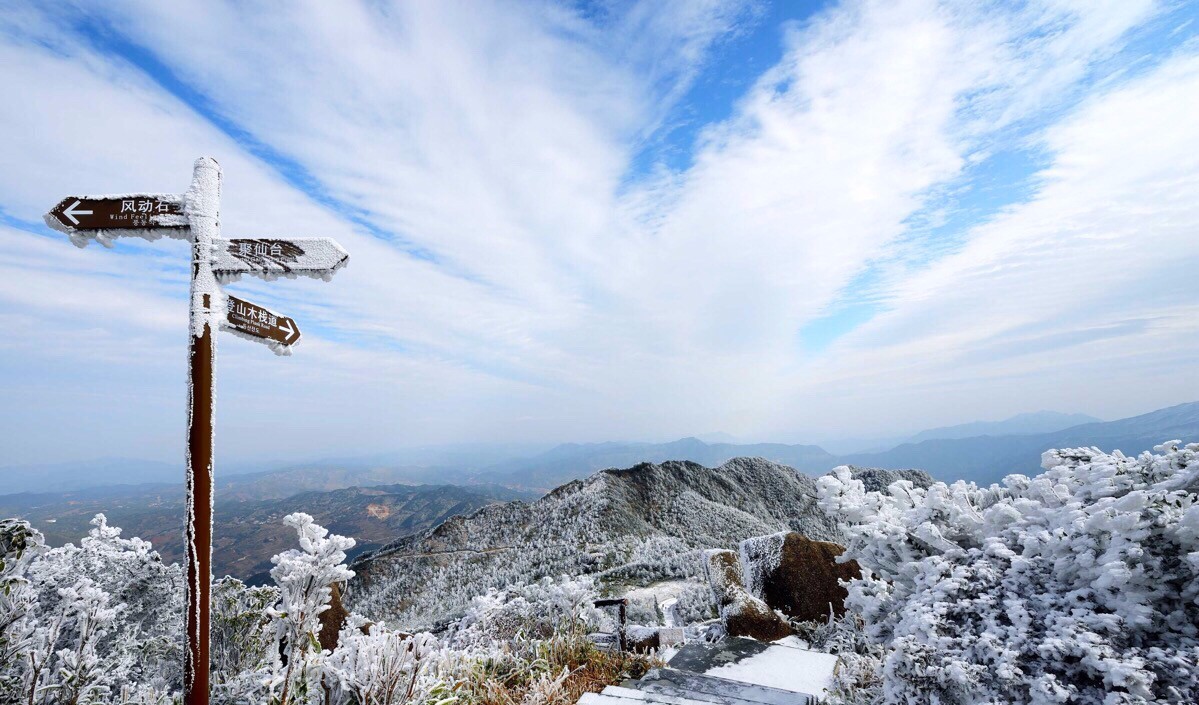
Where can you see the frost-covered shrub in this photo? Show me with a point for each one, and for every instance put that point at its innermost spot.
(102, 623)
(1078, 585)
(695, 603)
(379, 665)
(243, 645)
(83, 624)
(146, 636)
(304, 576)
(19, 544)
(857, 679)
(533, 611)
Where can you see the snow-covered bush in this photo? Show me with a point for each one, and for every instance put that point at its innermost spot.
(243, 645)
(536, 611)
(1078, 585)
(102, 623)
(19, 544)
(304, 576)
(373, 664)
(147, 633)
(858, 677)
(86, 622)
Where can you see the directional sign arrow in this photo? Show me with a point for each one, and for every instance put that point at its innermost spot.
(271, 258)
(260, 324)
(136, 212)
(71, 212)
(287, 327)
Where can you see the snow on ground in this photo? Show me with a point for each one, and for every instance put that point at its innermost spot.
(785, 667)
(794, 642)
(661, 591)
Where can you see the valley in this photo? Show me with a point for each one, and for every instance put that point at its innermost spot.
(248, 532)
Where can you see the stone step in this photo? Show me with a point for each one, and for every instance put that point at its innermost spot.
(646, 697)
(787, 668)
(668, 681)
(602, 699)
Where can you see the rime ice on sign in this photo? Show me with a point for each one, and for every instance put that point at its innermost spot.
(103, 218)
(271, 258)
(260, 324)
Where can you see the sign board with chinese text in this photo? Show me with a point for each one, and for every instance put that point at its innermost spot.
(131, 212)
(253, 320)
(271, 258)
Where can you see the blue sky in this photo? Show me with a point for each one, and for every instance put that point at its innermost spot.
(632, 220)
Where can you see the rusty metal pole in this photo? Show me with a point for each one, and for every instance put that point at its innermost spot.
(202, 206)
(624, 630)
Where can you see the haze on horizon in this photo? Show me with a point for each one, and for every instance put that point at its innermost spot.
(607, 220)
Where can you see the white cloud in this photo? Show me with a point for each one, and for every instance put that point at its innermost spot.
(564, 302)
(1083, 297)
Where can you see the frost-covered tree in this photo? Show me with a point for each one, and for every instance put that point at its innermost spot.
(89, 621)
(80, 673)
(304, 577)
(100, 622)
(1079, 585)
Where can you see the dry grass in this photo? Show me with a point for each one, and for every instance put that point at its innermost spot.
(556, 671)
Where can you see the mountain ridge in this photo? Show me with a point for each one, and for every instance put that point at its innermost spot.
(640, 524)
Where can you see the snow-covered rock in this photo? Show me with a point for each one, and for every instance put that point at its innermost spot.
(743, 614)
(797, 576)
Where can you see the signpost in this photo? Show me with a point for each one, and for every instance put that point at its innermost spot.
(139, 210)
(271, 258)
(253, 320)
(195, 216)
(102, 218)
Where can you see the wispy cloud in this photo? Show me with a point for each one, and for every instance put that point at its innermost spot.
(516, 274)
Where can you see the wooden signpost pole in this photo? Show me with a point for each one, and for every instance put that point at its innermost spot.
(202, 207)
(195, 216)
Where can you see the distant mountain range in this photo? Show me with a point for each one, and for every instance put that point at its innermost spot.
(1020, 424)
(378, 505)
(422, 465)
(987, 459)
(984, 458)
(979, 451)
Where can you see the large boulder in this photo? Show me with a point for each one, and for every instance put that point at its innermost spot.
(797, 576)
(641, 640)
(742, 613)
